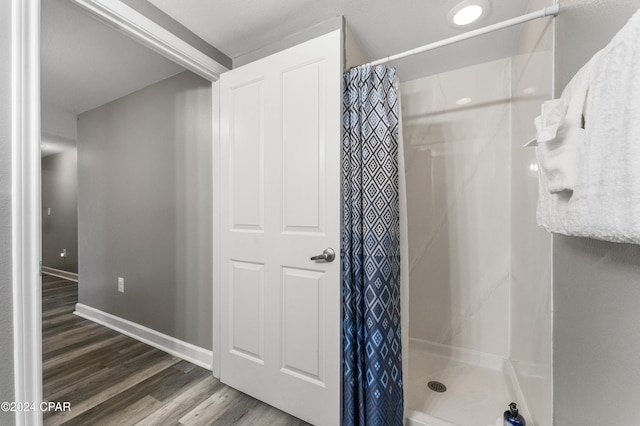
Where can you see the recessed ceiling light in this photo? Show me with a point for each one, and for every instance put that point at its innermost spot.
(463, 101)
(467, 12)
(467, 15)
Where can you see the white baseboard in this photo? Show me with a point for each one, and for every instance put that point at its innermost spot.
(187, 351)
(71, 276)
(469, 356)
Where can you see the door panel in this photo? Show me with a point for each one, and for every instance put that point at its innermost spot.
(280, 128)
(302, 322)
(247, 156)
(301, 145)
(247, 310)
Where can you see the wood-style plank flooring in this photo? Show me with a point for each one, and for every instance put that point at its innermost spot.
(112, 379)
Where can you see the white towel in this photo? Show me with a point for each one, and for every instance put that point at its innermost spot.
(561, 135)
(560, 138)
(605, 201)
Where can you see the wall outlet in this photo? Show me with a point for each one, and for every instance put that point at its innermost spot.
(121, 284)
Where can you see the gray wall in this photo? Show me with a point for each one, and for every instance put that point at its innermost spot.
(596, 284)
(145, 209)
(60, 194)
(6, 298)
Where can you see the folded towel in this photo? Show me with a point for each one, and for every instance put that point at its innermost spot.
(560, 158)
(561, 135)
(605, 200)
(551, 118)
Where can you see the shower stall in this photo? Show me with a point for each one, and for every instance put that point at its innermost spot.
(479, 294)
(479, 281)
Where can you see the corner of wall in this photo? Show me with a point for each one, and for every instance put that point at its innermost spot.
(290, 41)
(354, 53)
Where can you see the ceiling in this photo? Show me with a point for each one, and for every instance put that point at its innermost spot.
(85, 64)
(383, 27)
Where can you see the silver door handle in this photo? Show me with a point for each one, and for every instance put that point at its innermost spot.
(327, 255)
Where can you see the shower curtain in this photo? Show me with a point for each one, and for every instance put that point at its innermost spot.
(372, 358)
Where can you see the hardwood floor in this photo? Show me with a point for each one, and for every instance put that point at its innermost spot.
(112, 379)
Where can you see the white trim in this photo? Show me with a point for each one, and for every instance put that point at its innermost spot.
(469, 356)
(129, 21)
(25, 200)
(215, 98)
(71, 276)
(176, 347)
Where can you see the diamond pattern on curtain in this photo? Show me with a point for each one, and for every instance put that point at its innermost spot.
(372, 366)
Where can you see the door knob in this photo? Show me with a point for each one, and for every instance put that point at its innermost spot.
(327, 255)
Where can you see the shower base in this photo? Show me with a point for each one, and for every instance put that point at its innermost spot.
(479, 387)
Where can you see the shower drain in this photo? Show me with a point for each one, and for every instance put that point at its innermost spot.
(436, 386)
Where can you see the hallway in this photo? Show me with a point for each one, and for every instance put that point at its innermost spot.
(112, 379)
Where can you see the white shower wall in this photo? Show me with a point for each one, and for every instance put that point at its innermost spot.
(480, 267)
(531, 305)
(458, 186)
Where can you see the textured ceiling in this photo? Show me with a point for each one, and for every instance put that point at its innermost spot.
(383, 27)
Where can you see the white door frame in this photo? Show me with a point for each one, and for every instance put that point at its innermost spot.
(25, 167)
(25, 206)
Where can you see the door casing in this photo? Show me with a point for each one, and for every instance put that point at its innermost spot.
(26, 169)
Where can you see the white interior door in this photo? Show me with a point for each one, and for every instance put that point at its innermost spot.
(280, 121)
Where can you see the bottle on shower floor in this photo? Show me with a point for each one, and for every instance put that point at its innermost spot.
(512, 417)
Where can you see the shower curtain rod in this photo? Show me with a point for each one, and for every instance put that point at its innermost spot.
(547, 11)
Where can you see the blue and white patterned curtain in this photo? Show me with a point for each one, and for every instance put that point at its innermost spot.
(370, 250)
